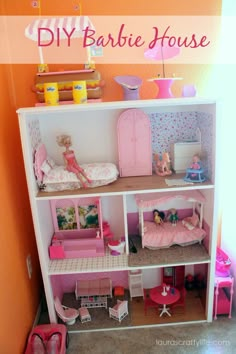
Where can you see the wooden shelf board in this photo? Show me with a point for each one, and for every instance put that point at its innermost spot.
(195, 255)
(129, 185)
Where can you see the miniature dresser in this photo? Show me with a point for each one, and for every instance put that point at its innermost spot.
(181, 152)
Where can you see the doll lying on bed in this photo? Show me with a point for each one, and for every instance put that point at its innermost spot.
(70, 159)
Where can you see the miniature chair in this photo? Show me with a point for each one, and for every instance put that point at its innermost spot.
(148, 303)
(119, 291)
(193, 175)
(66, 314)
(181, 302)
(119, 311)
(130, 85)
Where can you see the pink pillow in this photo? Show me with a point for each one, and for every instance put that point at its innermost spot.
(39, 157)
(46, 168)
(194, 220)
(191, 221)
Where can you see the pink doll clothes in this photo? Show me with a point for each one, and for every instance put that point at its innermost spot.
(195, 166)
(72, 165)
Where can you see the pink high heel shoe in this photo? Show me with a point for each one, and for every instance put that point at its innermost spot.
(54, 343)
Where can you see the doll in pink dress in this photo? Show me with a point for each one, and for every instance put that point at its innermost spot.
(70, 159)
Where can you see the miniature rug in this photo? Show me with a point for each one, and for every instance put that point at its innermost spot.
(176, 182)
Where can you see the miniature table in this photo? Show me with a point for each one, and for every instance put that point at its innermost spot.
(84, 315)
(94, 301)
(164, 84)
(172, 295)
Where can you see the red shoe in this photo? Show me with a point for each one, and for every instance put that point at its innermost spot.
(54, 343)
(37, 344)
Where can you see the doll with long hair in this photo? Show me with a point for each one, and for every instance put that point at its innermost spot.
(70, 159)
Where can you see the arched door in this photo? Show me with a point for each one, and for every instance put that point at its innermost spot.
(134, 143)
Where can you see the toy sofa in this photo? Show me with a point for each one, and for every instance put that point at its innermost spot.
(95, 287)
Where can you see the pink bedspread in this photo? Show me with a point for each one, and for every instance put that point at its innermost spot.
(166, 235)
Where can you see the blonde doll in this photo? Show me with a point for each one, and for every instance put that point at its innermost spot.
(70, 159)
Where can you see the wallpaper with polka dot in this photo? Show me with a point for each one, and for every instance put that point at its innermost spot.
(170, 127)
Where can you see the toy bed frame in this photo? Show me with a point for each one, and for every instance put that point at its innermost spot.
(165, 235)
(51, 177)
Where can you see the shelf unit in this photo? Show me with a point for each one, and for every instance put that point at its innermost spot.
(135, 283)
(43, 124)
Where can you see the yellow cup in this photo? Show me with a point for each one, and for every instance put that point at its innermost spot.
(79, 92)
(51, 94)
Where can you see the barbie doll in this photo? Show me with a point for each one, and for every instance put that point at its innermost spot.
(70, 159)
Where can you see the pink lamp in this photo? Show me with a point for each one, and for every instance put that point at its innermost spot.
(160, 52)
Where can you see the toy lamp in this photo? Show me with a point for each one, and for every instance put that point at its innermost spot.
(164, 84)
(130, 85)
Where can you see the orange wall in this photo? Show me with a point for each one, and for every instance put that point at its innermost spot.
(19, 295)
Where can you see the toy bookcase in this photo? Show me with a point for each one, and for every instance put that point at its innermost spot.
(93, 128)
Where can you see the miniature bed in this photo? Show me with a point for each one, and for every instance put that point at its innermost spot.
(187, 231)
(51, 177)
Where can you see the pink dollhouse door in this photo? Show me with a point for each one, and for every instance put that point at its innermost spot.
(134, 143)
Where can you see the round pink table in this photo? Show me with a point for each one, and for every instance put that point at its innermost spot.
(164, 84)
(172, 295)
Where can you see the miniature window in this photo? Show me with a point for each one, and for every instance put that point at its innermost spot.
(66, 219)
(88, 216)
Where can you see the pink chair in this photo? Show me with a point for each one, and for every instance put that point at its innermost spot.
(119, 311)
(148, 303)
(182, 300)
(66, 314)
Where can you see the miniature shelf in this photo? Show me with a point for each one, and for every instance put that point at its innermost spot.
(130, 185)
(198, 255)
(87, 265)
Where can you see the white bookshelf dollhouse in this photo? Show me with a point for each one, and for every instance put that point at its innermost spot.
(93, 128)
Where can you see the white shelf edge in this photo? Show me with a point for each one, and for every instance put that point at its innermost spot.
(122, 267)
(120, 105)
(138, 327)
(107, 194)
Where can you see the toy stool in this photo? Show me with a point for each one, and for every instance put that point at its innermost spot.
(84, 315)
(119, 291)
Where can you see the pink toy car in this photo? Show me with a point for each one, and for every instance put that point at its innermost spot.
(48, 338)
